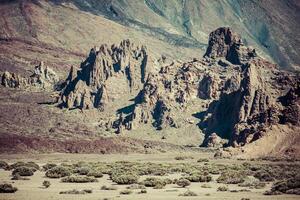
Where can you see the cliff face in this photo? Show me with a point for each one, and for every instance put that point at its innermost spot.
(87, 88)
(243, 94)
(188, 23)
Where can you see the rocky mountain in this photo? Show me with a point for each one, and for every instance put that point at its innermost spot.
(187, 23)
(243, 92)
(193, 73)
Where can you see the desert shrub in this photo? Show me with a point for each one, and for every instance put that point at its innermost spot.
(7, 188)
(245, 199)
(82, 170)
(263, 175)
(17, 176)
(143, 191)
(203, 160)
(168, 181)
(222, 188)
(32, 165)
(206, 186)
(58, 172)
(289, 186)
(124, 177)
(78, 179)
(23, 171)
(96, 174)
(85, 191)
(112, 187)
(183, 157)
(252, 183)
(153, 182)
(199, 177)
(188, 193)
(183, 182)
(46, 184)
(159, 185)
(231, 177)
(135, 187)
(48, 166)
(4, 165)
(126, 192)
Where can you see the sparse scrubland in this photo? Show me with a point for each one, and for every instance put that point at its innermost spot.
(215, 178)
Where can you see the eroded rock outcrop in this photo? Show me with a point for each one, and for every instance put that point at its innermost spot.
(225, 43)
(13, 80)
(87, 88)
(42, 78)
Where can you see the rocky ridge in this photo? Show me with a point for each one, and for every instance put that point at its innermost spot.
(86, 88)
(242, 94)
(42, 78)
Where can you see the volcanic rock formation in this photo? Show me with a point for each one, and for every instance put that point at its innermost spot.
(87, 88)
(244, 94)
(42, 78)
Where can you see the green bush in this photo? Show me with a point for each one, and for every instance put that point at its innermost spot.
(222, 188)
(112, 187)
(96, 174)
(82, 170)
(263, 175)
(188, 194)
(78, 179)
(203, 160)
(183, 182)
(4, 165)
(231, 177)
(58, 172)
(154, 182)
(17, 176)
(289, 186)
(85, 191)
(48, 166)
(198, 177)
(7, 188)
(125, 192)
(23, 171)
(32, 165)
(46, 184)
(143, 191)
(124, 178)
(206, 186)
(183, 157)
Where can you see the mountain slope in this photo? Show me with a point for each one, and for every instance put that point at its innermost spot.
(188, 22)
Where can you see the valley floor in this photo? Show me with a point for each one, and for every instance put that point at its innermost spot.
(33, 189)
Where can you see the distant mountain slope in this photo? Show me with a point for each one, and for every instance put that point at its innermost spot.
(271, 26)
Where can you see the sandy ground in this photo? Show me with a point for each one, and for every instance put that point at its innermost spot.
(33, 190)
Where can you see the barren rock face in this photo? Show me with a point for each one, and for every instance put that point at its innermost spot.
(223, 42)
(88, 87)
(242, 95)
(42, 78)
(13, 80)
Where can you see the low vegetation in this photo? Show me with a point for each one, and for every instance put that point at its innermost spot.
(222, 188)
(231, 177)
(7, 188)
(126, 192)
(78, 179)
(183, 182)
(58, 172)
(112, 187)
(289, 186)
(188, 193)
(46, 184)
(74, 191)
(23, 171)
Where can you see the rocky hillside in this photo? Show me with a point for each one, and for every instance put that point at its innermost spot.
(188, 23)
(168, 83)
